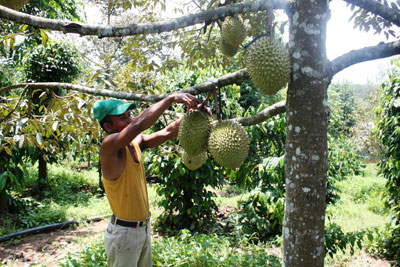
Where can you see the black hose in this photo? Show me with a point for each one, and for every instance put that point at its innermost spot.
(50, 227)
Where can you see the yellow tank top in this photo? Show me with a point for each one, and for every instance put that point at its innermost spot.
(128, 195)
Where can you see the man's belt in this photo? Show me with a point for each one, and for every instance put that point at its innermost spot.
(133, 224)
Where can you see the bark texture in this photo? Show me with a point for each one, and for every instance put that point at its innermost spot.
(306, 145)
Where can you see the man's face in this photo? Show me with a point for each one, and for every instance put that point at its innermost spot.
(119, 122)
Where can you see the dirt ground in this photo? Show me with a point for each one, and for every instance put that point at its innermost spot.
(48, 248)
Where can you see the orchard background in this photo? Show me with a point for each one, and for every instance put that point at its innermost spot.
(303, 140)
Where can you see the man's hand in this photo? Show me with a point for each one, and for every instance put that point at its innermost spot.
(191, 101)
(185, 98)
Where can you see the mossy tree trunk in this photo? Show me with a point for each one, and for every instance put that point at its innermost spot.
(306, 145)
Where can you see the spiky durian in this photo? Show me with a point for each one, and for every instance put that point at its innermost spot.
(14, 4)
(227, 49)
(268, 65)
(193, 162)
(193, 131)
(229, 144)
(233, 31)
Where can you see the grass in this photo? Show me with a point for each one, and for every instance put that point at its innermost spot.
(360, 206)
(229, 195)
(75, 195)
(71, 195)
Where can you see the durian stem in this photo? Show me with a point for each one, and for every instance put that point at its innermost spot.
(202, 106)
(206, 100)
(216, 106)
(270, 18)
(252, 41)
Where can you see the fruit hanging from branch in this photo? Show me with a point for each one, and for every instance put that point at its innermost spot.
(233, 31)
(268, 64)
(229, 144)
(194, 131)
(193, 162)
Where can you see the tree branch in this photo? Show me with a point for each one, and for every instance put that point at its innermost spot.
(275, 109)
(365, 54)
(235, 77)
(390, 14)
(143, 28)
(269, 112)
(212, 84)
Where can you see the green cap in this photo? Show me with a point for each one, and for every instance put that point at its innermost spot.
(102, 108)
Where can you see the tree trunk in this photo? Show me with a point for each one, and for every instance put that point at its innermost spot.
(306, 145)
(3, 202)
(42, 183)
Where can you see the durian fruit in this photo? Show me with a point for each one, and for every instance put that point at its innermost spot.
(233, 31)
(193, 131)
(229, 144)
(14, 4)
(227, 49)
(268, 65)
(193, 162)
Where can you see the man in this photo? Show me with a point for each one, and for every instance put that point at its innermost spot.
(127, 238)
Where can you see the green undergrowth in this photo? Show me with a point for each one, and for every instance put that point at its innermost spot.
(359, 210)
(359, 217)
(70, 195)
(361, 205)
(187, 249)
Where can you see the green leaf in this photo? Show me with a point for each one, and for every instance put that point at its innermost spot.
(45, 38)
(127, 4)
(12, 43)
(8, 150)
(24, 27)
(39, 138)
(3, 180)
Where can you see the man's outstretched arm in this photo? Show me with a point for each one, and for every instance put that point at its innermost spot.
(145, 120)
(169, 132)
(159, 137)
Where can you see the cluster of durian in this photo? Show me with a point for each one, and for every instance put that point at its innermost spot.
(233, 33)
(268, 65)
(193, 133)
(227, 141)
(14, 4)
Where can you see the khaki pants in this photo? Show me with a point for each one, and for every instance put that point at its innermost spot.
(128, 247)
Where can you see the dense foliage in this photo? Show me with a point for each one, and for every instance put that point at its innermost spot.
(68, 193)
(186, 201)
(73, 195)
(262, 213)
(31, 121)
(388, 127)
(187, 249)
(53, 62)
